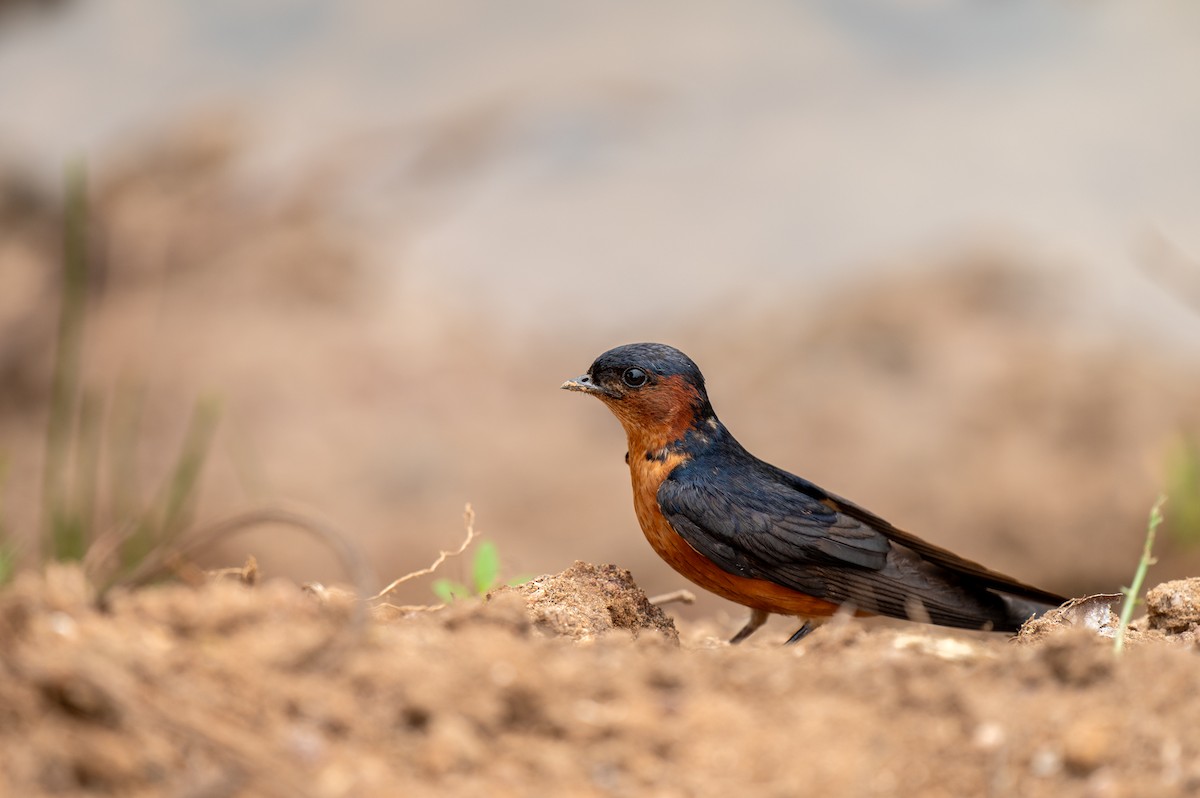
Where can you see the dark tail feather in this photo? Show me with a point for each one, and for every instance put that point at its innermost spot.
(1020, 610)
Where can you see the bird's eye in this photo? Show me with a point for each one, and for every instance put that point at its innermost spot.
(634, 378)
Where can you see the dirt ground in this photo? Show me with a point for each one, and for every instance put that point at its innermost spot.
(570, 685)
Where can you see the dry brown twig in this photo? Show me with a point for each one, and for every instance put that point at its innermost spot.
(681, 596)
(469, 519)
(247, 574)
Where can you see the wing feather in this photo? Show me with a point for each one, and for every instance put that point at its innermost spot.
(761, 522)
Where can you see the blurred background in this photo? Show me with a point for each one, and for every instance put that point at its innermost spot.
(938, 256)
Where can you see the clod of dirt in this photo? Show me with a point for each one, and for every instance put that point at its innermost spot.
(587, 601)
(1174, 607)
(1091, 613)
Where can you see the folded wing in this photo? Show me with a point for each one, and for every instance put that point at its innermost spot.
(760, 522)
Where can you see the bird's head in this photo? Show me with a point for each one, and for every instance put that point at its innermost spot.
(653, 389)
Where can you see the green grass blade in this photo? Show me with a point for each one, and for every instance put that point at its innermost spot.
(125, 422)
(181, 487)
(62, 530)
(8, 561)
(1183, 485)
(485, 567)
(172, 512)
(1134, 590)
(8, 550)
(87, 462)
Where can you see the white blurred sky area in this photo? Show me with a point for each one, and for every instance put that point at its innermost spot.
(544, 156)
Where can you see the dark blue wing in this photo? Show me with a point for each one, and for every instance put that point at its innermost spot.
(760, 522)
(750, 523)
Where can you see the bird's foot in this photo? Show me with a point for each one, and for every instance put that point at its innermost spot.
(800, 634)
(757, 619)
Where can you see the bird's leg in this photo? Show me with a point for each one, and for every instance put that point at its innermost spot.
(757, 619)
(800, 634)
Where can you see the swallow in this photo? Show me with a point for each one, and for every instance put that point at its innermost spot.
(767, 539)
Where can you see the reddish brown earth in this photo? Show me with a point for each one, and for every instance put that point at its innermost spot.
(573, 685)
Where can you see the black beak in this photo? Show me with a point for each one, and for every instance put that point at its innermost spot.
(584, 384)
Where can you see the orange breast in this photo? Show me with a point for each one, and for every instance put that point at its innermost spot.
(757, 594)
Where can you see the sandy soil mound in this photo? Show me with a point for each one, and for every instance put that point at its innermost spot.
(228, 689)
